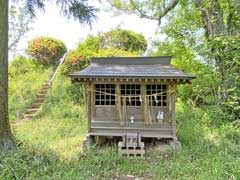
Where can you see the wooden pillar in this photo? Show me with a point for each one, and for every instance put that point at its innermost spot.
(169, 106)
(144, 103)
(172, 107)
(118, 104)
(89, 107)
(93, 102)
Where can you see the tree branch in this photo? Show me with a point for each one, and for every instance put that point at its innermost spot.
(168, 8)
(137, 10)
(141, 14)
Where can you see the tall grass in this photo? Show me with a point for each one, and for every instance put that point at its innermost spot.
(25, 79)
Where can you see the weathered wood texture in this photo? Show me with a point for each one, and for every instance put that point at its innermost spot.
(118, 105)
(133, 80)
(6, 138)
(144, 103)
(106, 113)
(107, 120)
(89, 108)
(172, 108)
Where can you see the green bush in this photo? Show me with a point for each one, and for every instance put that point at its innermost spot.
(74, 61)
(78, 60)
(120, 39)
(113, 52)
(20, 65)
(125, 40)
(46, 50)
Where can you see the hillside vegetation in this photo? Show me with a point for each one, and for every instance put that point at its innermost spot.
(25, 79)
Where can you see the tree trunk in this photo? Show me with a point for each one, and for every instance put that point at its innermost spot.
(6, 137)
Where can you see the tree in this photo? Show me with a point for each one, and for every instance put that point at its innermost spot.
(19, 25)
(211, 30)
(46, 50)
(6, 138)
(125, 40)
(77, 9)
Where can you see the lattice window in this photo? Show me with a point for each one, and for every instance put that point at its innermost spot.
(131, 89)
(159, 100)
(102, 98)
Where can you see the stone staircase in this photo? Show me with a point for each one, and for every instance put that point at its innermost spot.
(36, 105)
(131, 146)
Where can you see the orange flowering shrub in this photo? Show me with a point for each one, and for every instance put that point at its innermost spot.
(46, 50)
(74, 61)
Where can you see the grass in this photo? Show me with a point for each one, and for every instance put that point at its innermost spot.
(25, 79)
(50, 146)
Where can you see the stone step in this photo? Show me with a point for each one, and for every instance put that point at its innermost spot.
(36, 105)
(45, 87)
(32, 110)
(43, 91)
(41, 96)
(28, 116)
(45, 83)
(39, 100)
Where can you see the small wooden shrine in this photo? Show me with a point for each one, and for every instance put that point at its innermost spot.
(132, 98)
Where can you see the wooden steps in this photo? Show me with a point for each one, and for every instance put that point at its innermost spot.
(36, 105)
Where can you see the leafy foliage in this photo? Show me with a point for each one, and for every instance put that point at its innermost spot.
(92, 43)
(110, 44)
(125, 40)
(46, 50)
(76, 9)
(112, 52)
(203, 29)
(74, 61)
(203, 89)
(78, 60)
(227, 49)
(19, 25)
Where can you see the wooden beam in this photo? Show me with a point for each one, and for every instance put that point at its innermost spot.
(172, 107)
(93, 102)
(89, 109)
(144, 103)
(118, 104)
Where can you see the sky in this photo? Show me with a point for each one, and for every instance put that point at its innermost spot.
(51, 23)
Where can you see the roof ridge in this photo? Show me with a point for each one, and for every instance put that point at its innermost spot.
(151, 60)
